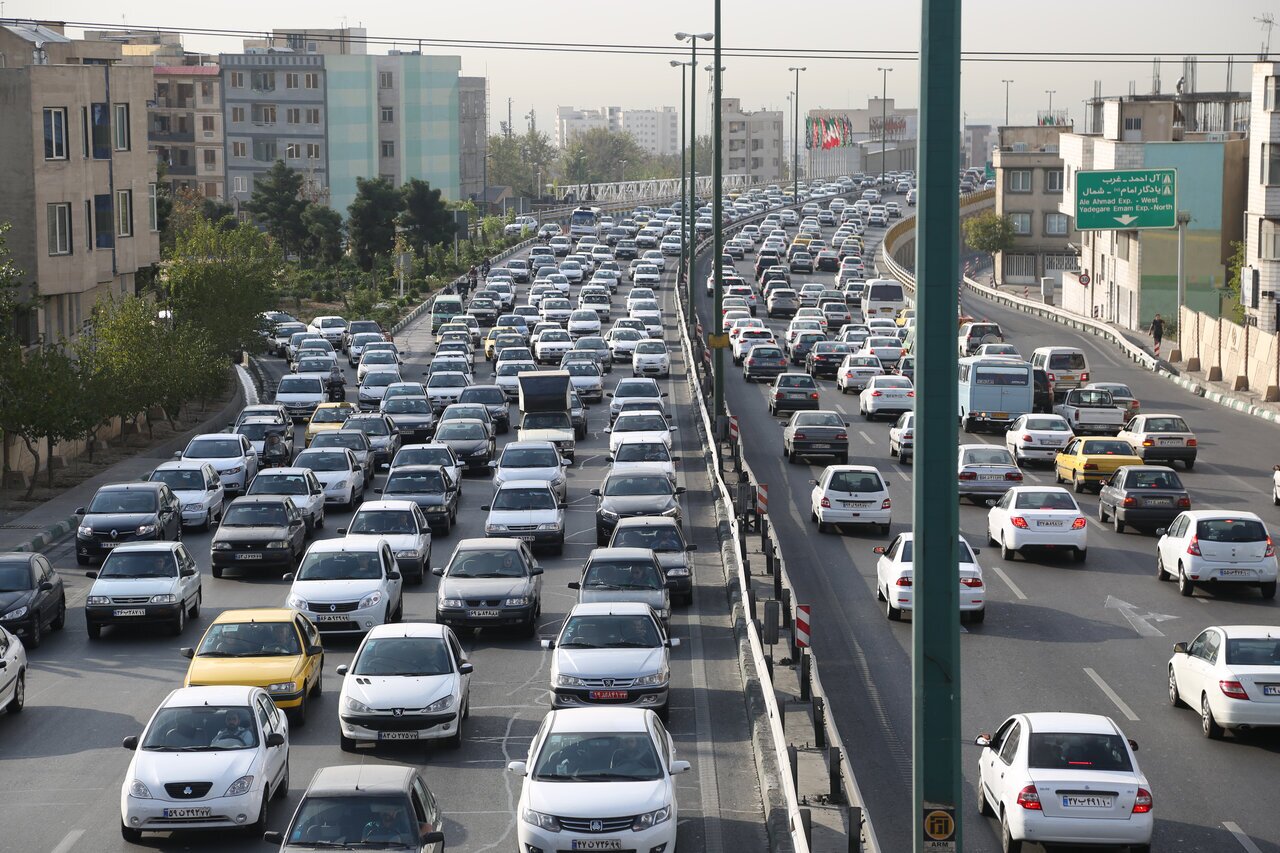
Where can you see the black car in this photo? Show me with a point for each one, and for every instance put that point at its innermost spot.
(126, 512)
(494, 399)
(32, 598)
(260, 531)
(431, 487)
(626, 250)
(803, 343)
(413, 417)
(824, 358)
(793, 392)
(1042, 396)
(1147, 496)
(578, 416)
(827, 261)
(763, 361)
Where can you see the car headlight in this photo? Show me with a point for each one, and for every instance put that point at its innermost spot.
(84, 530)
(297, 602)
(341, 484)
(371, 599)
(235, 470)
(281, 543)
(97, 600)
(241, 786)
(454, 603)
(569, 681)
(192, 507)
(439, 705)
(550, 525)
(516, 601)
(356, 706)
(495, 528)
(145, 529)
(651, 680)
(678, 572)
(281, 687)
(164, 598)
(220, 546)
(406, 555)
(558, 480)
(671, 512)
(139, 790)
(608, 514)
(15, 614)
(550, 823)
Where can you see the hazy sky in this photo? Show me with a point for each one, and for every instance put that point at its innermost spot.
(543, 80)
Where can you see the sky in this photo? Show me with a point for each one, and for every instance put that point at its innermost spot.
(543, 80)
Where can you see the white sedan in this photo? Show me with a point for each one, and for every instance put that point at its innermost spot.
(338, 471)
(230, 454)
(1231, 675)
(856, 371)
(583, 322)
(405, 528)
(650, 358)
(886, 395)
(894, 579)
(408, 682)
(1046, 517)
(850, 494)
(230, 737)
(1064, 778)
(357, 574)
(197, 486)
(1037, 437)
(644, 425)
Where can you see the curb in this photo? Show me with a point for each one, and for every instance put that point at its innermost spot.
(50, 535)
(1223, 399)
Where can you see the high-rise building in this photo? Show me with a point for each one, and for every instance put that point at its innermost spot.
(751, 142)
(473, 136)
(185, 128)
(657, 131)
(1260, 291)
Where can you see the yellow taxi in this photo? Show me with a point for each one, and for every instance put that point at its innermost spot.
(275, 648)
(904, 315)
(1088, 460)
(492, 337)
(328, 416)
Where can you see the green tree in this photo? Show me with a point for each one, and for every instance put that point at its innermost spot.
(988, 232)
(1231, 305)
(426, 219)
(371, 219)
(323, 244)
(277, 205)
(40, 398)
(11, 289)
(120, 353)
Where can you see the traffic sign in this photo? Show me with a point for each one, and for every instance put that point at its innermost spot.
(939, 828)
(1126, 199)
(802, 626)
(1084, 279)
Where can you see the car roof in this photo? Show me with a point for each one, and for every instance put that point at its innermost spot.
(182, 465)
(386, 504)
(214, 694)
(525, 484)
(1209, 514)
(281, 472)
(602, 553)
(132, 487)
(256, 614)
(167, 547)
(646, 521)
(361, 780)
(599, 720)
(345, 545)
(1059, 721)
(408, 629)
(259, 499)
(611, 608)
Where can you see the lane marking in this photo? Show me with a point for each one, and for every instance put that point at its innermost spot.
(1009, 582)
(1111, 694)
(868, 438)
(1245, 841)
(68, 841)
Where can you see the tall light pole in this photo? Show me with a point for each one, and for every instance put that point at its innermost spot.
(1050, 92)
(717, 225)
(884, 117)
(684, 199)
(1006, 101)
(692, 38)
(795, 137)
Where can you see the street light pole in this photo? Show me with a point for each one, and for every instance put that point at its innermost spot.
(795, 137)
(684, 201)
(884, 117)
(1006, 101)
(717, 215)
(692, 38)
(1050, 92)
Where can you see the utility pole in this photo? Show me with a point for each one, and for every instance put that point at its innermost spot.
(692, 38)
(795, 137)
(935, 623)
(1050, 92)
(510, 129)
(684, 199)
(717, 243)
(1006, 101)
(884, 117)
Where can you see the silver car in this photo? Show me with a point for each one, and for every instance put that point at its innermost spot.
(528, 510)
(666, 540)
(624, 574)
(986, 471)
(532, 460)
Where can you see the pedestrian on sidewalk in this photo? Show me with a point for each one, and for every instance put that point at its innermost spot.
(1157, 332)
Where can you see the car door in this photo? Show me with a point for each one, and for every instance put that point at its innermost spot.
(213, 484)
(1066, 459)
(188, 574)
(459, 658)
(9, 674)
(394, 585)
(275, 758)
(357, 473)
(527, 553)
(1167, 545)
(424, 534)
(315, 495)
(1004, 774)
(297, 528)
(426, 812)
(999, 514)
(885, 565)
(1112, 492)
(250, 459)
(309, 635)
(44, 602)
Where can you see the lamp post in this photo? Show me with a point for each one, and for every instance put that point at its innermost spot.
(684, 199)
(692, 38)
(1006, 101)
(717, 225)
(884, 117)
(1050, 92)
(795, 136)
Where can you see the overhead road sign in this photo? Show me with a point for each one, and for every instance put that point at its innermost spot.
(1126, 199)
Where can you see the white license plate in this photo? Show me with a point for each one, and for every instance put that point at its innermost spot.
(248, 556)
(137, 611)
(1235, 573)
(857, 504)
(397, 735)
(1159, 501)
(991, 476)
(483, 614)
(596, 844)
(330, 617)
(1170, 442)
(525, 537)
(820, 446)
(1049, 523)
(108, 544)
(1088, 802)
(1051, 442)
(1271, 690)
(189, 812)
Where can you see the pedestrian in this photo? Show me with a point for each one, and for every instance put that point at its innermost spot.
(1157, 331)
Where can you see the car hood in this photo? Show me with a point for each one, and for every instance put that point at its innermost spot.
(397, 541)
(123, 522)
(484, 587)
(254, 672)
(192, 496)
(133, 586)
(17, 598)
(411, 421)
(654, 503)
(596, 799)
(314, 592)
(328, 478)
(250, 534)
(387, 692)
(608, 663)
(222, 767)
(543, 474)
(465, 446)
(655, 598)
(420, 498)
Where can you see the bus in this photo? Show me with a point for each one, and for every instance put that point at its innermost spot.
(994, 391)
(583, 222)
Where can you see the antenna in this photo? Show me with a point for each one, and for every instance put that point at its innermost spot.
(1155, 76)
(1268, 21)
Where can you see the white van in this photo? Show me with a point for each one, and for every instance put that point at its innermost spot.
(883, 297)
(1065, 367)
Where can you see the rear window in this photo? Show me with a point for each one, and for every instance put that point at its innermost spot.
(1001, 376)
(1230, 530)
(1108, 448)
(1254, 651)
(885, 292)
(1071, 751)
(1067, 361)
(1167, 425)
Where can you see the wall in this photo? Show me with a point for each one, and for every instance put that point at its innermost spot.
(1242, 356)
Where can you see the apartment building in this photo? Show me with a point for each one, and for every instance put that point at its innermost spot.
(657, 131)
(79, 182)
(339, 41)
(185, 128)
(473, 136)
(1260, 285)
(571, 122)
(1029, 187)
(751, 142)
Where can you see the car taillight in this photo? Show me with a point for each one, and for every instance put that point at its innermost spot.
(1193, 547)
(876, 394)
(1084, 377)
(1091, 466)
(1148, 443)
(1191, 442)
(1029, 799)
(911, 393)
(902, 582)
(1026, 438)
(778, 396)
(1234, 689)
(1015, 476)
(968, 475)
(848, 374)
(1051, 377)
(826, 503)
(813, 396)
(972, 583)
(1079, 523)
(1133, 404)
(1130, 501)
(908, 434)
(1184, 503)
(887, 503)
(799, 435)
(1142, 802)
(842, 436)
(1271, 549)
(1019, 522)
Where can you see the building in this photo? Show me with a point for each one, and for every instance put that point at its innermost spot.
(657, 131)
(473, 135)
(185, 128)
(79, 182)
(1029, 186)
(571, 122)
(342, 41)
(975, 145)
(1132, 273)
(144, 47)
(864, 133)
(1260, 290)
(751, 142)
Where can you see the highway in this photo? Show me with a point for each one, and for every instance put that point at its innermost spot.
(1091, 637)
(64, 764)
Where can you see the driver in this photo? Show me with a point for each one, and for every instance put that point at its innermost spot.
(233, 730)
(389, 825)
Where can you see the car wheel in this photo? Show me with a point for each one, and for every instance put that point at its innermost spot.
(216, 571)
(1268, 589)
(84, 561)
(893, 451)
(1161, 574)
(894, 613)
(791, 456)
(95, 631)
(1174, 699)
(1116, 522)
(977, 616)
(1185, 585)
(19, 698)
(282, 790)
(259, 826)
(129, 834)
(207, 524)
(1208, 725)
(194, 612)
(984, 807)
(60, 618)
(824, 527)
(454, 741)
(36, 637)
(180, 621)
(1102, 513)
(298, 715)
(1007, 842)
(319, 522)
(1006, 553)
(1079, 554)
(1077, 484)
(318, 687)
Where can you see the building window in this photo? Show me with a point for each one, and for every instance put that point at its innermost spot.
(100, 134)
(237, 114)
(210, 158)
(1019, 181)
(293, 115)
(1122, 240)
(1021, 223)
(239, 149)
(240, 185)
(1055, 224)
(124, 213)
(264, 114)
(1053, 181)
(388, 114)
(1271, 93)
(291, 81)
(206, 90)
(237, 79)
(207, 125)
(388, 148)
(313, 116)
(210, 189)
(1269, 244)
(153, 208)
(1021, 266)
(59, 228)
(1271, 164)
(313, 151)
(389, 178)
(103, 231)
(55, 133)
(385, 80)
(1133, 123)
(264, 81)
(312, 80)
(292, 151)
(265, 152)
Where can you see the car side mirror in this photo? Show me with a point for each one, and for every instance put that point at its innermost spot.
(276, 838)
(536, 570)
(275, 739)
(288, 576)
(517, 767)
(342, 669)
(595, 492)
(80, 510)
(438, 571)
(91, 575)
(186, 573)
(680, 490)
(130, 743)
(879, 549)
(1161, 531)
(678, 767)
(45, 586)
(574, 585)
(991, 501)
(673, 643)
(433, 838)
(1133, 744)
(1179, 648)
(983, 740)
(395, 576)
(187, 652)
(485, 507)
(692, 547)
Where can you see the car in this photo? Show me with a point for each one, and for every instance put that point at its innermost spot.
(1160, 438)
(902, 442)
(886, 395)
(126, 512)
(197, 487)
(300, 485)
(816, 433)
(650, 358)
(259, 531)
(1143, 496)
(765, 359)
(528, 510)
(1123, 397)
(1037, 517)
(973, 335)
(644, 388)
(331, 328)
(642, 453)
(665, 538)
(984, 471)
(823, 357)
(357, 441)
(801, 262)
(300, 395)
(624, 495)
(231, 737)
(855, 371)
(405, 528)
(144, 583)
(376, 359)
(1088, 460)
(374, 387)
(490, 583)
(231, 455)
(1212, 549)
(587, 379)
(346, 586)
(781, 302)
(368, 806)
(643, 425)
(1007, 350)
(850, 494)
(1228, 673)
(445, 387)
(326, 417)
(383, 434)
(33, 600)
(339, 472)
(417, 665)
(894, 579)
(746, 339)
(1064, 778)
(471, 441)
(532, 460)
(1038, 438)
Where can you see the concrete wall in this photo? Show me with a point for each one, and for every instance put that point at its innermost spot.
(1243, 356)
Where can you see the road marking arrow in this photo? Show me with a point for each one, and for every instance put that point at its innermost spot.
(1126, 219)
(1140, 622)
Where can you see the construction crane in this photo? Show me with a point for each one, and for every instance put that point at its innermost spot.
(1268, 21)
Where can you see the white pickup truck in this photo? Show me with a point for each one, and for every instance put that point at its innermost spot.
(1091, 411)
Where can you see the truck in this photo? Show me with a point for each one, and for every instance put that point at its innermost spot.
(1091, 411)
(546, 400)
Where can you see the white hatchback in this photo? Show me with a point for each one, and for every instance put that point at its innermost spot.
(197, 485)
(1208, 548)
(1042, 517)
(894, 579)
(850, 494)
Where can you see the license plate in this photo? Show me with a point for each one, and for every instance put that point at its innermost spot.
(608, 694)
(1094, 802)
(596, 844)
(1049, 523)
(1067, 377)
(108, 544)
(248, 556)
(1159, 501)
(1271, 690)
(329, 617)
(991, 476)
(525, 537)
(137, 611)
(483, 614)
(189, 812)
(1166, 442)
(820, 446)
(1000, 416)
(397, 735)
(1051, 442)
(859, 504)
(1235, 573)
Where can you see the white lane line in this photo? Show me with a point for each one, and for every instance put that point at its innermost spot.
(868, 438)
(1009, 582)
(1245, 841)
(1111, 694)
(69, 840)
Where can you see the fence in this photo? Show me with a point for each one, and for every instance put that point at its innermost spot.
(1243, 356)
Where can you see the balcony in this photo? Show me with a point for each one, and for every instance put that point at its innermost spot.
(181, 170)
(170, 136)
(165, 102)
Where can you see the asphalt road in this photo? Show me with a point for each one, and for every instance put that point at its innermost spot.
(1091, 637)
(63, 765)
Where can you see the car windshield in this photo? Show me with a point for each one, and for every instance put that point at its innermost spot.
(213, 448)
(635, 486)
(179, 480)
(407, 406)
(487, 563)
(250, 639)
(340, 565)
(380, 379)
(323, 461)
(1107, 447)
(766, 352)
(331, 415)
(660, 538)
(383, 521)
(545, 420)
(460, 431)
(1072, 751)
(481, 394)
(582, 368)
(15, 576)
(1253, 651)
(524, 499)
(352, 439)
(986, 456)
(414, 483)
(610, 632)
(637, 389)
(278, 484)
(865, 361)
(299, 385)
(404, 656)
(202, 728)
(1230, 530)
(139, 564)
(369, 426)
(1170, 424)
(423, 456)
(314, 365)
(122, 501)
(855, 481)
(597, 757)
(529, 457)
(512, 368)
(446, 380)
(255, 515)
(1045, 500)
(1047, 424)
(640, 423)
(642, 451)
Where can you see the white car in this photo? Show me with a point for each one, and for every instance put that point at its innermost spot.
(144, 583)
(231, 738)
(1066, 778)
(445, 387)
(888, 349)
(403, 526)
(197, 485)
(603, 777)
(374, 387)
(622, 342)
(640, 455)
(1161, 438)
(886, 395)
(856, 371)
(894, 578)
(583, 322)
(551, 345)
(648, 313)
(331, 328)
(1038, 517)
(555, 309)
(637, 294)
(376, 359)
(339, 472)
(647, 274)
(902, 437)
(1208, 548)
(850, 494)
(643, 425)
(347, 586)
(13, 676)
(408, 682)
(300, 485)
(1037, 437)
(1231, 675)
(650, 358)
(528, 510)
(230, 454)
(747, 339)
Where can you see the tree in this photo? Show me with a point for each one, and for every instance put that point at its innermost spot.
(120, 352)
(425, 218)
(40, 388)
(988, 232)
(1231, 305)
(371, 219)
(11, 290)
(323, 244)
(277, 205)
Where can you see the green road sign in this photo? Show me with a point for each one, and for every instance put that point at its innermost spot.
(990, 171)
(1126, 199)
